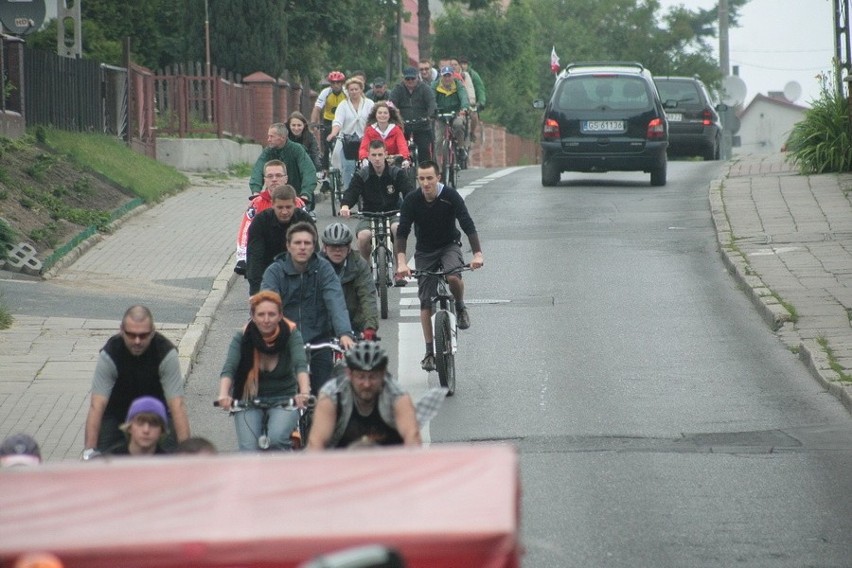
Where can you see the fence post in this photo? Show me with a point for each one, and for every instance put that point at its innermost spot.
(261, 91)
(283, 106)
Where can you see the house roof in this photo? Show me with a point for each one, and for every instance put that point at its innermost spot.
(760, 98)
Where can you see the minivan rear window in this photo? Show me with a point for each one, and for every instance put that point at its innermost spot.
(684, 92)
(602, 92)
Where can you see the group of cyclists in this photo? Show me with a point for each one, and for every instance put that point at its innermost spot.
(318, 288)
(310, 286)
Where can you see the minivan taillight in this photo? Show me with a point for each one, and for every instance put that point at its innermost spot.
(550, 131)
(707, 116)
(656, 129)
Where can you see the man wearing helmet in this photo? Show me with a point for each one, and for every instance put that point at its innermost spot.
(378, 188)
(359, 290)
(325, 107)
(367, 407)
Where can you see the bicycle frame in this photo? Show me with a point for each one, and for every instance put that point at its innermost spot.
(445, 301)
(449, 165)
(380, 241)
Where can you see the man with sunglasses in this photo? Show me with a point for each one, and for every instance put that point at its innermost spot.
(137, 361)
(415, 100)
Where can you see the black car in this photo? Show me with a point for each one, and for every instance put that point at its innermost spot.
(603, 117)
(694, 126)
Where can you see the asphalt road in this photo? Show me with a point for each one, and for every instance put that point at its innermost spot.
(659, 422)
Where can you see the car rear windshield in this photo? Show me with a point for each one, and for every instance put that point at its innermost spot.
(602, 92)
(686, 93)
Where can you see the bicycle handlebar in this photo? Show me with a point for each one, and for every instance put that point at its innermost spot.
(462, 268)
(376, 214)
(289, 404)
(333, 345)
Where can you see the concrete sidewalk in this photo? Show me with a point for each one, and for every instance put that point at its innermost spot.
(175, 257)
(787, 239)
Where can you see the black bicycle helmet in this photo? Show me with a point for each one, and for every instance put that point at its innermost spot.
(366, 356)
(336, 234)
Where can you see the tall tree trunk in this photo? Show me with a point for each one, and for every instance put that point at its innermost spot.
(424, 40)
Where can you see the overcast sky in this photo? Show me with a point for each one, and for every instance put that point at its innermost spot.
(778, 41)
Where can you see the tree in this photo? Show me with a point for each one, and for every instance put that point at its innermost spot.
(510, 49)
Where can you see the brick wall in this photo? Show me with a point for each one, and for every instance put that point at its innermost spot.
(496, 148)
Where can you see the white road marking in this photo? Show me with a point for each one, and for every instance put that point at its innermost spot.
(411, 346)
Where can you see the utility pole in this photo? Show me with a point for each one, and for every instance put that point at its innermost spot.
(725, 69)
(206, 38)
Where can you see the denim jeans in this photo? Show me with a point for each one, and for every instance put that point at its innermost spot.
(281, 424)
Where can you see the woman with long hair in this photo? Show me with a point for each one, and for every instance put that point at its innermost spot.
(350, 118)
(385, 125)
(265, 361)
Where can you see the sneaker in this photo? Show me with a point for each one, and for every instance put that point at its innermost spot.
(240, 268)
(400, 282)
(428, 362)
(463, 320)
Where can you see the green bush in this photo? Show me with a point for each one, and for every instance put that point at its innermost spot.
(7, 236)
(822, 141)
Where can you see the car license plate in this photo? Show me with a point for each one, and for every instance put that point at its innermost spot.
(674, 116)
(602, 126)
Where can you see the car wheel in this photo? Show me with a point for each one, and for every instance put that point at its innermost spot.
(658, 174)
(712, 153)
(549, 174)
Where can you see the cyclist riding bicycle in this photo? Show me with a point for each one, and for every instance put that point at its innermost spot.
(301, 172)
(366, 407)
(326, 104)
(265, 361)
(379, 187)
(434, 210)
(416, 103)
(359, 290)
(451, 97)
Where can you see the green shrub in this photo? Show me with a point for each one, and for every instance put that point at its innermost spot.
(822, 141)
(7, 236)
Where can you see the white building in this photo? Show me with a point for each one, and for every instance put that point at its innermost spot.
(765, 124)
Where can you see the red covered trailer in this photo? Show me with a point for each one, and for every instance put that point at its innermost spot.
(441, 507)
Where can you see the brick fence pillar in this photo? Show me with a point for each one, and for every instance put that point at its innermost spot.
(262, 89)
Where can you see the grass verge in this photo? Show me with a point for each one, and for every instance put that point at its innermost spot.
(832, 361)
(145, 178)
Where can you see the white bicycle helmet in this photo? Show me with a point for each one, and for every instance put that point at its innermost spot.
(336, 234)
(366, 356)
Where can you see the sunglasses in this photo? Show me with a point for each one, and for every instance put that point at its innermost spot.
(139, 336)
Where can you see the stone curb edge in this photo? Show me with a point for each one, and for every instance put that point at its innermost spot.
(773, 312)
(193, 338)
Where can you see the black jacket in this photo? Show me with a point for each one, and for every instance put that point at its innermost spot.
(267, 237)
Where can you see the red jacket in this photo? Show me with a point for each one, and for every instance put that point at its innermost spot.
(394, 139)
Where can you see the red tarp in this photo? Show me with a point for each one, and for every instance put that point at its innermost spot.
(442, 506)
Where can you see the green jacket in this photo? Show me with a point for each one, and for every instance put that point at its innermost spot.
(359, 291)
(450, 102)
(301, 172)
(478, 86)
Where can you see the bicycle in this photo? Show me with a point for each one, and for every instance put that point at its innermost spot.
(334, 177)
(263, 441)
(445, 329)
(381, 259)
(450, 152)
(413, 150)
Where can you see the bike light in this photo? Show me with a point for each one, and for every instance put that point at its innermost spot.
(656, 129)
(550, 131)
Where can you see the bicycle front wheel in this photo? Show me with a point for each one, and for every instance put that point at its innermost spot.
(446, 162)
(444, 359)
(382, 280)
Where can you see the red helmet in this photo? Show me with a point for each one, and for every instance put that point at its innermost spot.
(336, 76)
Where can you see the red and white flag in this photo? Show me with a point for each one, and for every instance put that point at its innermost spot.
(554, 61)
